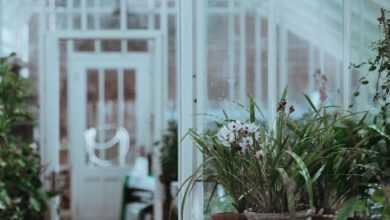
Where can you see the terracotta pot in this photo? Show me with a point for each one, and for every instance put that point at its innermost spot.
(228, 216)
(323, 217)
(301, 215)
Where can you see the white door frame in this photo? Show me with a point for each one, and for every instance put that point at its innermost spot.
(50, 95)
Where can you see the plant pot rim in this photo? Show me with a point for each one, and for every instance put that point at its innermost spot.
(271, 216)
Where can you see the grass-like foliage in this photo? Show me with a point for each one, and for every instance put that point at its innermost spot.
(317, 162)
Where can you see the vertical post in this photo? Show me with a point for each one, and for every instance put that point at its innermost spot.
(101, 108)
(186, 103)
(159, 122)
(52, 135)
(121, 72)
(121, 97)
(96, 14)
(123, 15)
(41, 77)
(83, 6)
(165, 47)
(52, 15)
(69, 15)
(272, 79)
(201, 92)
(258, 58)
(346, 79)
(242, 71)
(123, 23)
(231, 49)
(150, 15)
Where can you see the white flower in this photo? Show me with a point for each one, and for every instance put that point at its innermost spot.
(226, 136)
(252, 128)
(234, 125)
(245, 143)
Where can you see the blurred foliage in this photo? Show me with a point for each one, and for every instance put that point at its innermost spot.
(169, 153)
(21, 194)
(377, 131)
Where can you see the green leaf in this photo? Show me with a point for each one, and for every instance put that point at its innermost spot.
(35, 204)
(349, 207)
(303, 170)
(313, 107)
(252, 110)
(290, 186)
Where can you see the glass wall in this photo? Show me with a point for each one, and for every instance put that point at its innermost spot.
(258, 48)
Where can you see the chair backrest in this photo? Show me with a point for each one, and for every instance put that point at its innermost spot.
(121, 138)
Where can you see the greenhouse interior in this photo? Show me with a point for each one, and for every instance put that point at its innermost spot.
(194, 109)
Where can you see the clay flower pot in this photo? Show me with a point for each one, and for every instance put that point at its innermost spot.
(323, 217)
(302, 215)
(228, 216)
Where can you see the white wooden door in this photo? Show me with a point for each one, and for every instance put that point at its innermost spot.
(89, 193)
(97, 191)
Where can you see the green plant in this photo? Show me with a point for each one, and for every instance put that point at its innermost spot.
(21, 194)
(335, 141)
(378, 129)
(256, 164)
(379, 68)
(169, 154)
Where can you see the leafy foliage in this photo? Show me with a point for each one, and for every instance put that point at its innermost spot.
(379, 66)
(335, 143)
(378, 131)
(262, 176)
(169, 154)
(21, 194)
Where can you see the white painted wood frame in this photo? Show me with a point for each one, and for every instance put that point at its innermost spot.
(49, 95)
(346, 77)
(187, 105)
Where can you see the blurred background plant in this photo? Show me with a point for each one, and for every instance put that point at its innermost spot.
(377, 130)
(21, 193)
(169, 166)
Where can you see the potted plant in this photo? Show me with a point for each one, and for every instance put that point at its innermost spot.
(258, 167)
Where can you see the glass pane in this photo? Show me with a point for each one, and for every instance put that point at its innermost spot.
(109, 21)
(111, 45)
(364, 31)
(130, 110)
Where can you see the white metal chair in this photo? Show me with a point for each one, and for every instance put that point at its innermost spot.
(121, 137)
